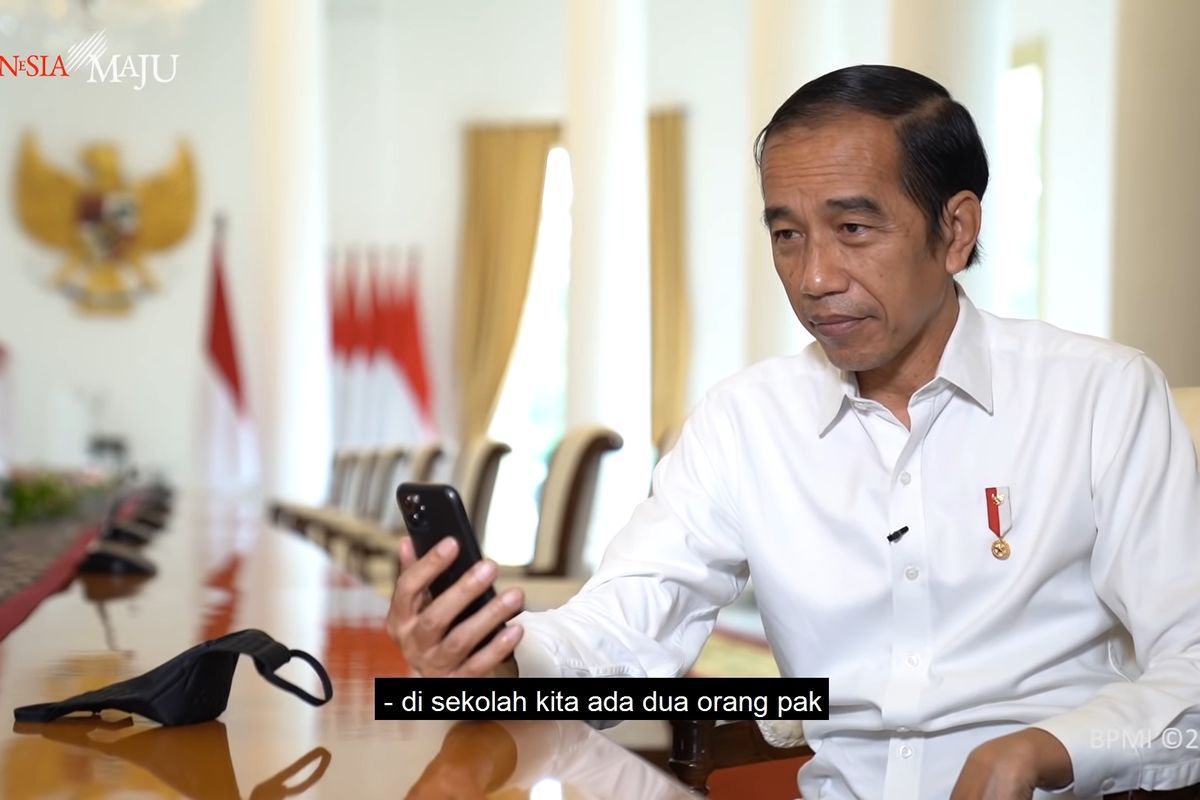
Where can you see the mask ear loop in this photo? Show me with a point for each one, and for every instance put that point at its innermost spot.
(276, 786)
(288, 686)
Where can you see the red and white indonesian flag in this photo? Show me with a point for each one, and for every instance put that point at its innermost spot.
(229, 439)
(381, 394)
(404, 416)
(341, 332)
(407, 347)
(355, 413)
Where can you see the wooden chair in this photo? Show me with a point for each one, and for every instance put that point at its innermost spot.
(358, 494)
(424, 462)
(566, 504)
(475, 474)
(323, 524)
(343, 487)
(390, 461)
(700, 747)
(556, 572)
(477, 463)
(343, 463)
(375, 534)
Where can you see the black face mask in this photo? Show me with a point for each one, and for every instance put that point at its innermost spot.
(192, 687)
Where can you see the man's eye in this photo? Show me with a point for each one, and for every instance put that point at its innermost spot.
(853, 227)
(785, 235)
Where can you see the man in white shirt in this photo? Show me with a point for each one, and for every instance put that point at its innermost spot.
(982, 530)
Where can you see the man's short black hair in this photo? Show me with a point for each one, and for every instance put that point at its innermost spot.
(941, 152)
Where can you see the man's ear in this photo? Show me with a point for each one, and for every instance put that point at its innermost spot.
(960, 227)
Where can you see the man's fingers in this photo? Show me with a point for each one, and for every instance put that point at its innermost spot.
(437, 617)
(462, 639)
(485, 662)
(421, 624)
(408, 555)
(417, 577)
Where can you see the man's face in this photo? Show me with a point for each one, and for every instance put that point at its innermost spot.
(851, 248)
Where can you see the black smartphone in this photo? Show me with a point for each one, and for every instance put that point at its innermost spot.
(433, 511)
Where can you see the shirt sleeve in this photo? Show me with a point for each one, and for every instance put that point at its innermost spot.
(1146, 568)
(653, 602)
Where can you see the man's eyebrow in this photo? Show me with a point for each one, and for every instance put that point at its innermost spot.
(775, 213)
(858, 202)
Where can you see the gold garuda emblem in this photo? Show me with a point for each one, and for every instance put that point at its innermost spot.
(105, 225)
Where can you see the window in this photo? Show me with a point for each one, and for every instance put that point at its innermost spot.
(530, 415)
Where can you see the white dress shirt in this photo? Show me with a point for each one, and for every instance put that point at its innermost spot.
(1089, 630)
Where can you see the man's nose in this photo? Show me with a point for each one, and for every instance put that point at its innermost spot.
(823, 271)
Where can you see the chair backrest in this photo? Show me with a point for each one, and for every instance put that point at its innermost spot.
(1188, 400)
(358, 471)
(343, 463)
(475, 473)
(567, 495)
(364, 484)
(424, 461)
(383, 482)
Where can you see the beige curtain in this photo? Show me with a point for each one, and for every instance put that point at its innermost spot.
(506, 167)
(670, 318)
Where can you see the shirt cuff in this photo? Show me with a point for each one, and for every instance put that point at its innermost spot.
(1104, 758)
(782, 732)
(534, 657)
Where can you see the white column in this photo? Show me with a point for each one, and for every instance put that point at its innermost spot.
(964, 47)
(792, 42)
(608, 346)
(292, 337)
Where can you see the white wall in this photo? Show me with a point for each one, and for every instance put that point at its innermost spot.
(147, 365)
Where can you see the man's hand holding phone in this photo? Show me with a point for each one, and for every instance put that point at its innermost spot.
(423, 625)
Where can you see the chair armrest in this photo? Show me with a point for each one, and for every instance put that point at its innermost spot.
(699, 747)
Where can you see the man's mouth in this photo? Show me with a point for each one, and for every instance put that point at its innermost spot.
(836, 324)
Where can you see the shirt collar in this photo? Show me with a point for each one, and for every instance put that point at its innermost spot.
(966, 363)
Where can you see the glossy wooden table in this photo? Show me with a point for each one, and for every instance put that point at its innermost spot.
(222, 570)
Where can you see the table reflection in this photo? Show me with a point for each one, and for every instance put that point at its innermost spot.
(538, 760)
(191, 760)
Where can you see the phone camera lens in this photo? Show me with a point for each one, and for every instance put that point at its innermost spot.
(410, 502)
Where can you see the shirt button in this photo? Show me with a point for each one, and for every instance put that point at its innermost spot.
(906, 752)
(1107, 784)
(905, 478)
(912, 573)
(913, 660)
